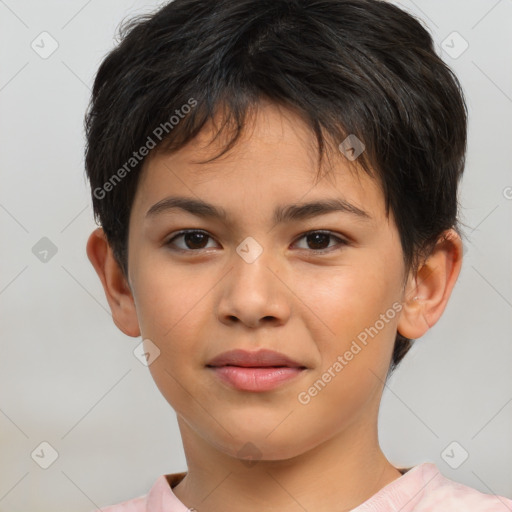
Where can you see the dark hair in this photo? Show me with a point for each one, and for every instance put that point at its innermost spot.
(347, 67)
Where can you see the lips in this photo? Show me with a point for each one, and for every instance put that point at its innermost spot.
(254, 371)
(260, 359)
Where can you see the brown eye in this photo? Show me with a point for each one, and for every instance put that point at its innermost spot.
(191, 240)
(195, 240)
(320, 241)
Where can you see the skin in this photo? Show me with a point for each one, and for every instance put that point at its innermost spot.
(194, 305)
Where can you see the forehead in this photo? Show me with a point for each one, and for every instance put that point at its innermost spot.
(274, 160)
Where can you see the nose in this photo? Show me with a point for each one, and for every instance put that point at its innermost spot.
(254, 293)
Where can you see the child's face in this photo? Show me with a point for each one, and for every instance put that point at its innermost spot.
(308, 306)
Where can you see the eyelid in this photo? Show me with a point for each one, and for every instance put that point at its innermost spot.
(341, 241)
(183, 232)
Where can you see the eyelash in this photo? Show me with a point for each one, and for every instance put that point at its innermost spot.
(341, 242)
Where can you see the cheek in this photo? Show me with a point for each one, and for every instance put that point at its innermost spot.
(348, 298)
(172, 306)
(166, 295)
(351, 310)
(355, 351)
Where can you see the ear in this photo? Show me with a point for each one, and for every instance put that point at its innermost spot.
(429, 287)
(117, 289)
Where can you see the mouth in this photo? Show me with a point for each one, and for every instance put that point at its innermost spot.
(255, 371)
(259, 359)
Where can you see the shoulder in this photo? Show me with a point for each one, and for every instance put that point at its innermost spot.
(442, 494)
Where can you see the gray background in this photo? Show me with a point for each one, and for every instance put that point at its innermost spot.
(69, 377)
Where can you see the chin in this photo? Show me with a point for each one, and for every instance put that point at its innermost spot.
(250, 445)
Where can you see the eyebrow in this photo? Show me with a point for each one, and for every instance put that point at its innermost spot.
(282, 214)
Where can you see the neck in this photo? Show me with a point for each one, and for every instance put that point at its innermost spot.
(337, 475)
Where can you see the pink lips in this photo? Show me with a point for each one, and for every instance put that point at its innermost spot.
(254, 371)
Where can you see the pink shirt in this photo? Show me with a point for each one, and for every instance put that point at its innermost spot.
(421, 489)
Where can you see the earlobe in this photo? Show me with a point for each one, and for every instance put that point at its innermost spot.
(429, 288)
(115, 285)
